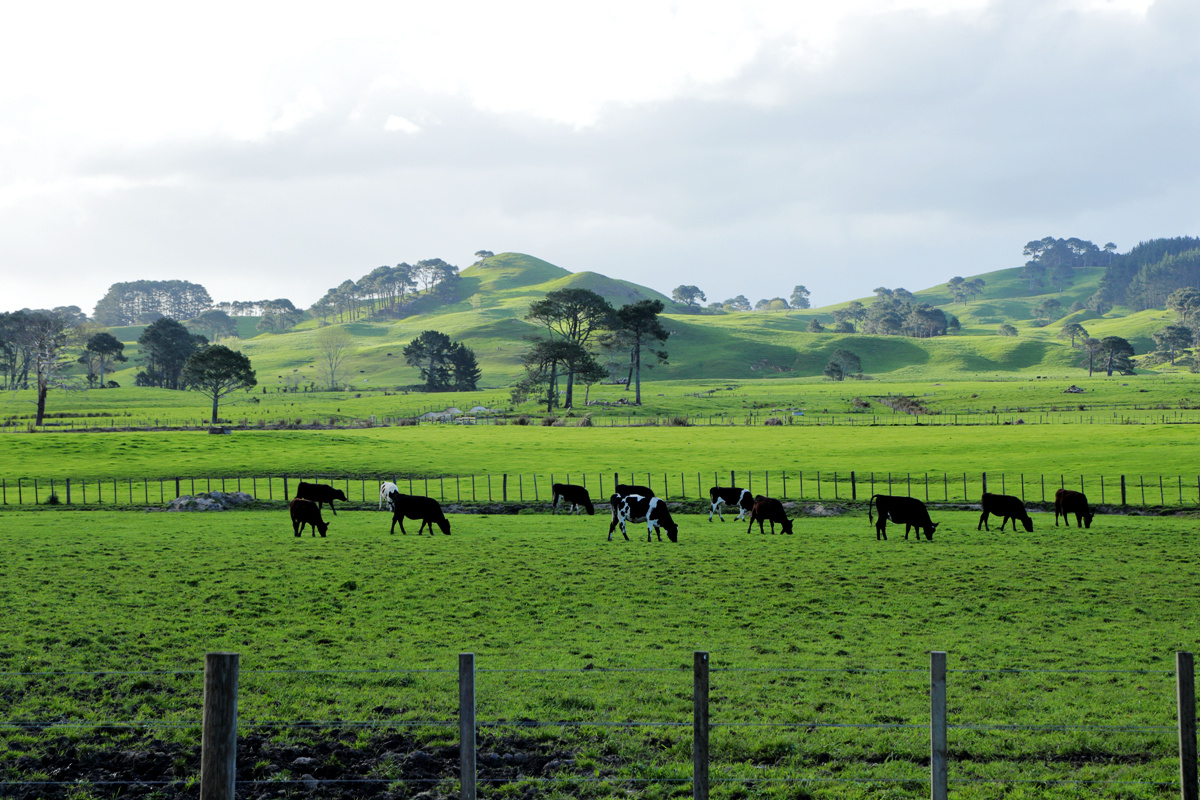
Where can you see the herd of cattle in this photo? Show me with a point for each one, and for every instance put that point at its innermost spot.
(639, 504)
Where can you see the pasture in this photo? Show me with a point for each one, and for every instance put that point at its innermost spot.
(1060, 649)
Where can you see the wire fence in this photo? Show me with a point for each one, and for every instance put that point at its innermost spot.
(598, 731)
(1140, 491)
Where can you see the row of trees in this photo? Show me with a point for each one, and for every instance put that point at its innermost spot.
(580, 325)
(141, 302)
(386, 290)
(692, 297)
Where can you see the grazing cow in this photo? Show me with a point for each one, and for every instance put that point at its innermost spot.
(909, 510)
(385, 494)
(577, 496)
(770, 510)
(734, 497)
(426, 509)
(306, 512)
(636, 508)
(626, 489)
(1070, 502)
(1006, 506)
(320, 493)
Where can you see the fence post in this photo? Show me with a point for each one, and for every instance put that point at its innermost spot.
(504, 487)
(1185, 692)
(1122, 490)
(937, 725)
(178, 492)
(466, 723)
(853, 488)
(700, 725)
(218, 749)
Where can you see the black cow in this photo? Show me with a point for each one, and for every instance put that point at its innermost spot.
(320, 493)
(909, 510)
(1006, 506)
(426, 509)
(1066, 502)
(636, 508)
(626, 489)
(770, 510)
(577, 496)
(734, 497)
(306, 512)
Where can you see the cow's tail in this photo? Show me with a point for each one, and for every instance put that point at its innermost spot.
(870, 503)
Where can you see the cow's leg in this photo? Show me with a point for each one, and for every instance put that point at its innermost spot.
(402, 525)
(881, 528)
(296, 527)
(623, 533)
(772, 527)
(331, 508)
(983, 518)
(1004, 522)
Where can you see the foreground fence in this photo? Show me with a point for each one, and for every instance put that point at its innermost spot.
(222, 724)
(1162, 491)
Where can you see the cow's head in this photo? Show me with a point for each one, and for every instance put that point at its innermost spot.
(338, 494)
(786, 525)
(1087, 519)
(444, 524)
(322, 526)
(1028, 523)
(930, 529)
(591, 510)
(672, 530)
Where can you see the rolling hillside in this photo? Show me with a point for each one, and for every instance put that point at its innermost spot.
(487, 312)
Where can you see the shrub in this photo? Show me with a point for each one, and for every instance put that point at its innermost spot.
(52, 500)
(405, 422)
(679, 422)
(772, 421)
(521, 420)
(585, 421)
(548, 421)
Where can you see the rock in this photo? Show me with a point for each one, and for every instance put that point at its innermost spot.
(210, 501)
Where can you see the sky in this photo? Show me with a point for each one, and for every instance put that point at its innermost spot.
(271, 149)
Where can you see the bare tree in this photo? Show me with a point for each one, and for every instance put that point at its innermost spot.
(48, 334)
(333, 348)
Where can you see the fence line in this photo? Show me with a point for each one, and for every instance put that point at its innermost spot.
(220, 724)
(812, 485)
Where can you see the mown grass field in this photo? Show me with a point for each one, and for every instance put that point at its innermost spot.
(826, 627)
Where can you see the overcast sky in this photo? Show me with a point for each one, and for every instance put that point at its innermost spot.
(276, 149)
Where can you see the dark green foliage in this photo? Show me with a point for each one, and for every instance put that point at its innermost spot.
(139, 302)
(815, 326)
(464, 369)
(801, 297)
(430, 353)
(690, 296)
(279, 316)
(1006, 330)
(214, 324)
(638, 326)
(166, 345)
(217, 371)
(1116, 354)
(1116, 286)
(575, 316)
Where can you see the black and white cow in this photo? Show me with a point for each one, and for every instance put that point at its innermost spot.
(306, 512)
(385, 494)
(731, 496)
(1007, 507)
(768, 509)
(576, 496)
(320, 493)
(412, 506)
(636, 508)
(909, 510)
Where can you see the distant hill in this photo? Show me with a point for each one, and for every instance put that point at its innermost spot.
(487, 308)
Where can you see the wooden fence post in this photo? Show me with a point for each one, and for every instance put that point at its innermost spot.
(504, 487)
(937, 725)
(1122, 490)
(178, 492)
(466, 724)
(1185, 692)
(218, 749)
(700, 725)
(854, 489)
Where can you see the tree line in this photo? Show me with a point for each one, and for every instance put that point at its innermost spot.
(387, 291)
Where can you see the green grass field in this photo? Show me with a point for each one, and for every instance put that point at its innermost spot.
(826, 627)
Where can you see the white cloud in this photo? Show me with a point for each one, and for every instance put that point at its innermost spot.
(395, 123)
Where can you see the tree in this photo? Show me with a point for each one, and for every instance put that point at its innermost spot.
(542, 365)
(574, 315)
(800, 297)
(166, 345)
(1049, 310)
(464, 369)
(279, 316)
(958, 288)
(814, 326)
(1091, 348)
(690, 296)
(1173, 338)
(333, 348)
(1117, 354)
(430, 353)
(1073, 331)
(214, 324)
(140, 302)
(217, 371)
(482, 254)
(47, 335)
(975, 286)
(739, 303)
(102, 351)
(1035, 273)
(1006, 330)
(639, 325)
(843, 363)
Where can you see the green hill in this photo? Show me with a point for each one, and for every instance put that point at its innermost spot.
(487, 307)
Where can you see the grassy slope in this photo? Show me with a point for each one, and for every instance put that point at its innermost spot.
(487, 312)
